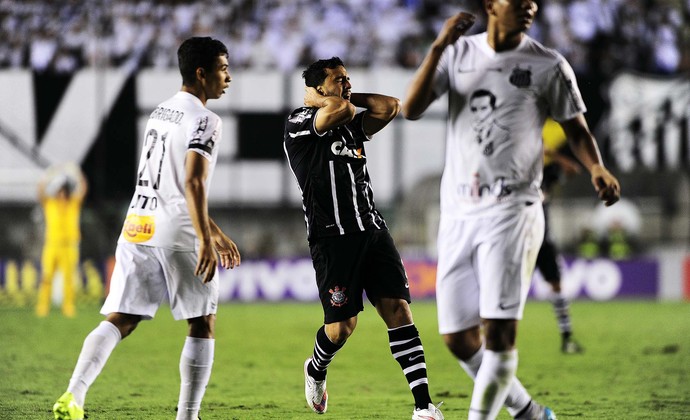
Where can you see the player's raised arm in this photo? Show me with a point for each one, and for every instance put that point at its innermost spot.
(333, 111)
(381, 110)
(420, 93)
(585, 148)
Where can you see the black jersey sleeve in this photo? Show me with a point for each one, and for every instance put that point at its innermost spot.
(300, 123)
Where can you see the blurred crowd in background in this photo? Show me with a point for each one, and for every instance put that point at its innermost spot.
(598, 37)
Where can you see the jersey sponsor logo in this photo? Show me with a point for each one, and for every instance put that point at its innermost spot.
(340, 149)
(338, 296)
(521, 77)
(138, 228)
(477, 190)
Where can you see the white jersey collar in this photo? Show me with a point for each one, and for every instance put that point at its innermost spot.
(484, 44)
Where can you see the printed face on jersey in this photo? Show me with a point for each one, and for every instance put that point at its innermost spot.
(481, 107)
(217, 80)
(337, 83)
(513, 15)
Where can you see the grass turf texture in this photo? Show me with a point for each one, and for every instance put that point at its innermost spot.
(636, 364)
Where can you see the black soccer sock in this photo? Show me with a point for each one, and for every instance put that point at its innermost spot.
(324, 351)
(407, 349)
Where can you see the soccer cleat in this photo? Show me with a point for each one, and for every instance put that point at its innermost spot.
(535, 411)
(67, 409)
(315, 391)
(570, 346)
(547, 414)
(430, 413)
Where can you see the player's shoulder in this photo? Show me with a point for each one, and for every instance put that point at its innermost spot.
(301, 114)
(539, 51)
(469, 42)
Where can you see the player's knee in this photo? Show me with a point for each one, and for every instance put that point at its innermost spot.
(339, 332)
(463, 344)
(395, 312)
(500, 334)
(202, 327)
(124, 322)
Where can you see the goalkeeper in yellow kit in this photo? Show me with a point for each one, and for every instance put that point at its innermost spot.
(61, 194)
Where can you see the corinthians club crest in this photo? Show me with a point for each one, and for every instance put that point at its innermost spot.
(521, 77)
(338, 297)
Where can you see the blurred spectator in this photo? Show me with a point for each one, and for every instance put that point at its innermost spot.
(64, 35)
(612, 232)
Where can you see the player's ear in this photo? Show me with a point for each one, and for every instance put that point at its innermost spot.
(319, 89)
(489, 6)
(200, 73)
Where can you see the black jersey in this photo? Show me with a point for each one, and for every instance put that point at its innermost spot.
(332, 175)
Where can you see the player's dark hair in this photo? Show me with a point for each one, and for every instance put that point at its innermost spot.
(315, 74)
(198, 52)
(483, 92)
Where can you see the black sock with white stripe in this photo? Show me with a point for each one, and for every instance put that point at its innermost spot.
(407, 349)
(324, 351)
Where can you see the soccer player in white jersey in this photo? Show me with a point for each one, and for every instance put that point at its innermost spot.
(492, 223)
(169, 246)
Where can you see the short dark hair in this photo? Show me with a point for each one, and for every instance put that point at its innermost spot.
(483, 92)
(198, 52)
(315, 74)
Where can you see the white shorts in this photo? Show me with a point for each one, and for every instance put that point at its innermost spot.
(143, 275)
(485, 266)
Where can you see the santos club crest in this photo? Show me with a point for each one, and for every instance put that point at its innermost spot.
(521, 77)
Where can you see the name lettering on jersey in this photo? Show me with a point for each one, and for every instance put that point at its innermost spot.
(168, 115)
(138, 228)
(144, 202)
(521, 77)
(340, 149)
(476, 190)
(303, 115)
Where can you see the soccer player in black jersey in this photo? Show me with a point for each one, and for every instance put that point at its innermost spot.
(350, 245)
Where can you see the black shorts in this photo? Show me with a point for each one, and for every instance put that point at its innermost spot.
(348, 265)
(547, 259)
(547, 262)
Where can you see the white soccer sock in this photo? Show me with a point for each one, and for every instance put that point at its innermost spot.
(491, 386)
(94, 353)
(196, 362)
(517, 398)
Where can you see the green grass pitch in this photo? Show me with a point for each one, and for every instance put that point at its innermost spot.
(636, 364)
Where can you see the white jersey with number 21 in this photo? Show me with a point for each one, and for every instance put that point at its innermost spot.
(158, 214)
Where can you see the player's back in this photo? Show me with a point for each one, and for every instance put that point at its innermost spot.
(158, 214)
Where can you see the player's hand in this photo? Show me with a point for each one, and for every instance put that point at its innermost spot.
(454, 28)
(606, 185)
(312, 97)
(206, 262)
(569, 166)
(227, 250)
